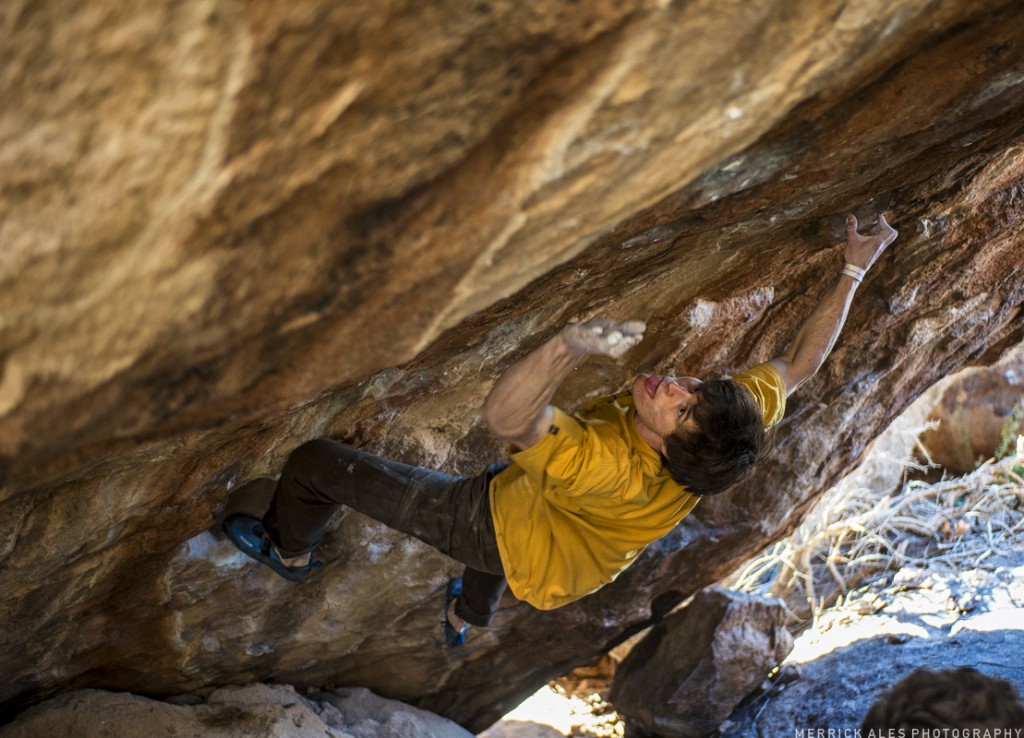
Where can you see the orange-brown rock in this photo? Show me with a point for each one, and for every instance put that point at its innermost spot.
(229, 227)
(973, 414)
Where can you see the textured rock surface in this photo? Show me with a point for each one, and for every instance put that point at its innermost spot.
(256, 711)
(689, 673)
(230, 227)
(940, 619)
(972, 411)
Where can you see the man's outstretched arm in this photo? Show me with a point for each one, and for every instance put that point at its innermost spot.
(819, 332)
(518, 408)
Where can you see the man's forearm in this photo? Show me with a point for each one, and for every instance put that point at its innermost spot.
(818, 334)
(518, 407)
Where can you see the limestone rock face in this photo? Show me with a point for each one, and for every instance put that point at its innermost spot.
(689, 673)
(230, 227)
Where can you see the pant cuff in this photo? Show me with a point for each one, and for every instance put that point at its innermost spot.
(471, 616)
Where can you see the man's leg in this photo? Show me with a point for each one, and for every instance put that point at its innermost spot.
(318, 476)
(452, 514)
(481, 594)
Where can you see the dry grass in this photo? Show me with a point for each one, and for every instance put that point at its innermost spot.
(855, 534)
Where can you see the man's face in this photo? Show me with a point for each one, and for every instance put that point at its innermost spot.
(663, 406)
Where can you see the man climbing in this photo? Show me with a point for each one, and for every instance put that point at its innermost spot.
(584, 493)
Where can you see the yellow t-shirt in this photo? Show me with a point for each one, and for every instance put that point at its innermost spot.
(575, 509)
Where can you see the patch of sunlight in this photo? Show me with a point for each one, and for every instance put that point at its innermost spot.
(987, 622)
(814, 642)
(547, 707)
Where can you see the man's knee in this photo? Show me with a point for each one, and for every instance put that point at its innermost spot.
(317, 452)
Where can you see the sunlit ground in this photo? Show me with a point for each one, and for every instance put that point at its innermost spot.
(549, 713)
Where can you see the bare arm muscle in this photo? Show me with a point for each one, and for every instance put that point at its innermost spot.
(518, 407)
(818, 334)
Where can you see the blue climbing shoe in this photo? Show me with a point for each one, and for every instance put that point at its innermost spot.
(453, 638)
(247, 533)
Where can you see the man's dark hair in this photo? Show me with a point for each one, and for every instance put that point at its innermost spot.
(729, 441)
(954, 698)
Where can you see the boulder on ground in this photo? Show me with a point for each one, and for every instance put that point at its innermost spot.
(973, 409)
(254, 711)
(691, 671)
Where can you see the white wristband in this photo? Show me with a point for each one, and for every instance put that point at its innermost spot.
(854, 272)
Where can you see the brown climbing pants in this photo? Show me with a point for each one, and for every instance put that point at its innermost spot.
(452, 514)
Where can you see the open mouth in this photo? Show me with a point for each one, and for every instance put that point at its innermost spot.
(652, 383)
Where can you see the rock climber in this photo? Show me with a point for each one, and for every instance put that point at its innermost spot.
(582, 494)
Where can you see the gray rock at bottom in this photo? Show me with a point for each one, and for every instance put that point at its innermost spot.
(255, 711)
(689, 673)
(938, 618)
